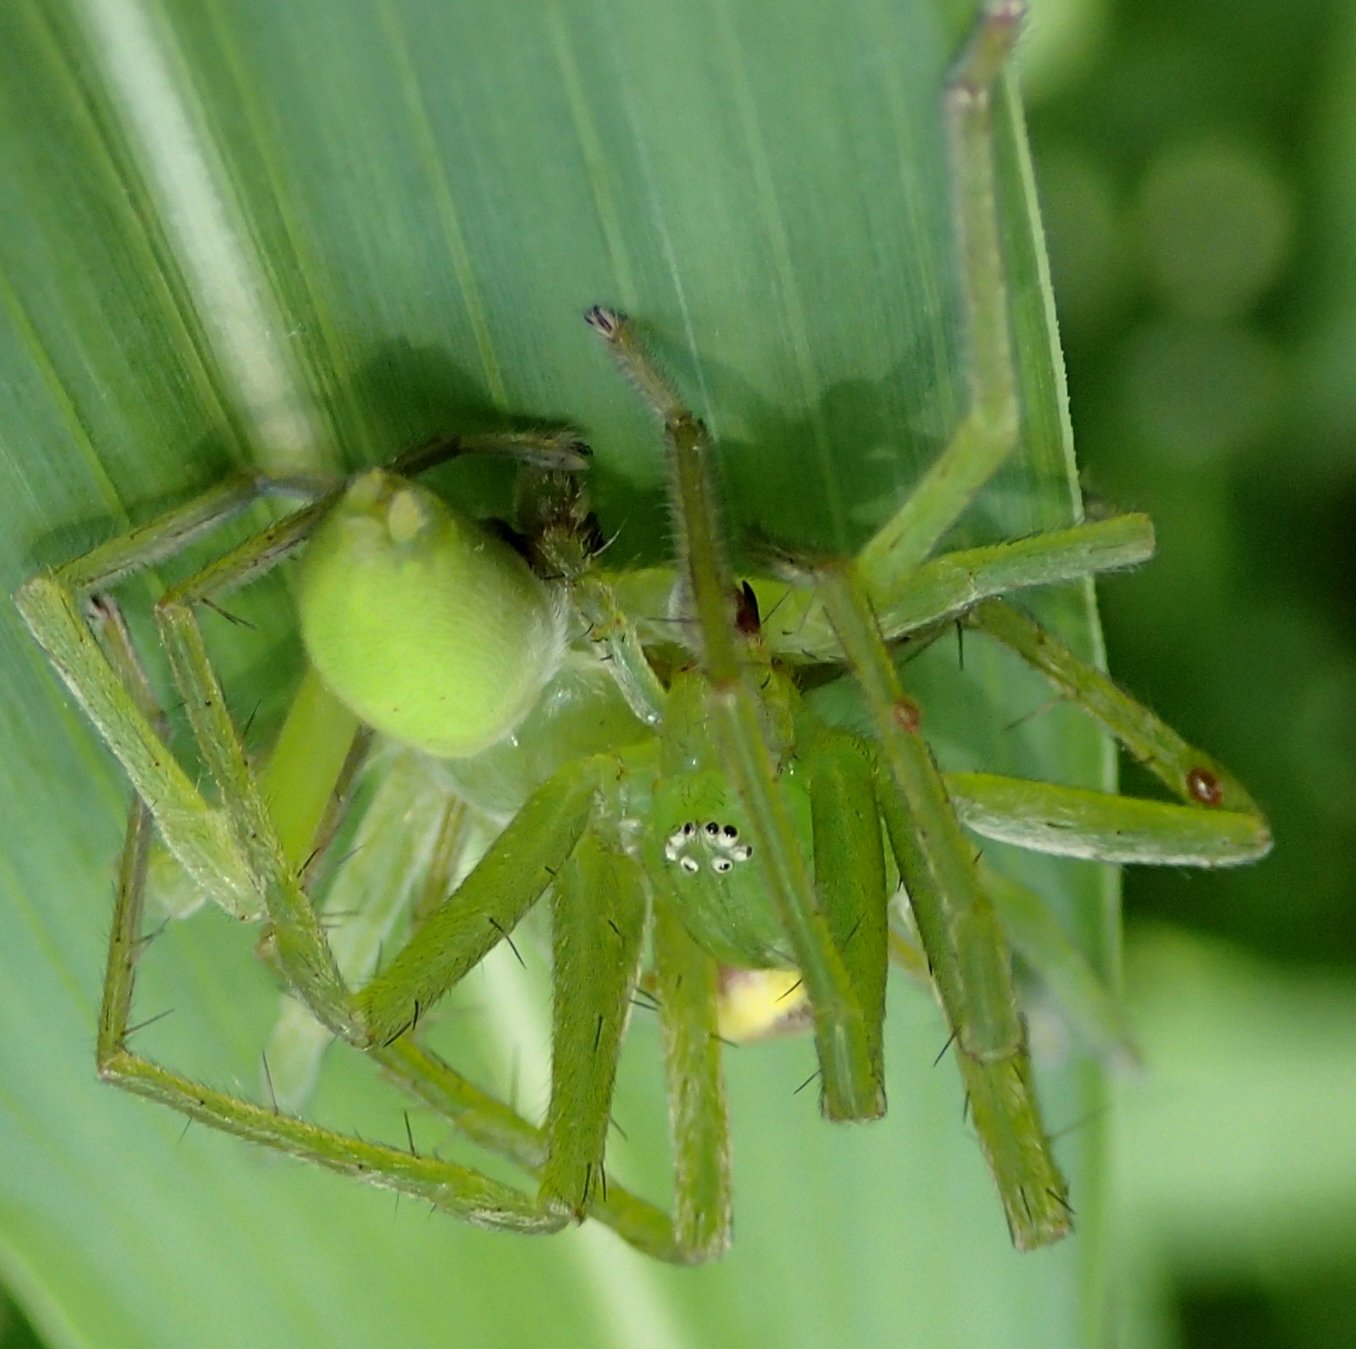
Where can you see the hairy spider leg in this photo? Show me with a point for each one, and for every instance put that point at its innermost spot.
(599, 907)
(110, 682)
(231, 848)
(687, 986)
(1215, 796)
(967, 952)
(297, 939)
(909, 601)
(948, 586)
(58, 609)
(480, 1116)
(453, 1188)
(988, 431)
(851, 1085)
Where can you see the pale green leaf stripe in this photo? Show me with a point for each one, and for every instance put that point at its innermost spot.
(136, 53)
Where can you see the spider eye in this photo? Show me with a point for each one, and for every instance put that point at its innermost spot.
(730, 831)
(688, 864)
(712, 829)
(722, 865)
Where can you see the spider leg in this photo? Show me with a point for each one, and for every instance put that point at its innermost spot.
(453, 1188)
(687, 986)
(508, 879)
(598, 918)
(1103, 826)
(850, 869)
(988, 431)
(486, 1120)
(1188, 772)
(948, 586)
(297, 938)
(851, 1089)
(967, 953)
(59, 607)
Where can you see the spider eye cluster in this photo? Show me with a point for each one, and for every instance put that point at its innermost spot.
(711, 841)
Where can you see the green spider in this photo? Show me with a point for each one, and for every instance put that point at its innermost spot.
(635, 746)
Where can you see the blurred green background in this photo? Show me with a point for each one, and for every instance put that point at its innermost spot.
(1197, 170)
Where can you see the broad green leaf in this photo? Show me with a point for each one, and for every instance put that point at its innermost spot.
(305, 235)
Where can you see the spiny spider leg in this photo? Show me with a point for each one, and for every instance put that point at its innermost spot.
(948, 586)
(486, 1120)
(988, 431)
(967, 953)
(456, 1189)
(54, 603)
(297, 939)
(513, 874)
(797, 631)
(851, 1086)
(481, 1117)
(599, 904)
(687, 984)
(1189, 773)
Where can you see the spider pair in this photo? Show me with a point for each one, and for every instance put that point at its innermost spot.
(636, 747)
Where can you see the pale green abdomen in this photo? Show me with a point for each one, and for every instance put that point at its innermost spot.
(428, 627)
